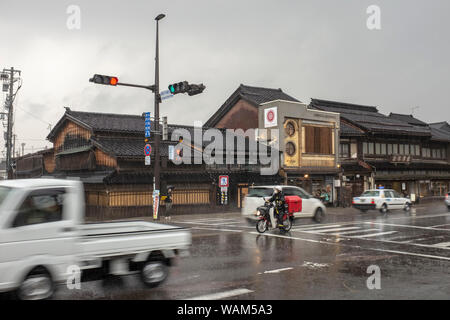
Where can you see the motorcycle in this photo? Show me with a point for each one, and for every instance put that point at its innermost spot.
(264, 221)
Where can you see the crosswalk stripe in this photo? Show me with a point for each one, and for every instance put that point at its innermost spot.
(333, 229)
(222, 295)
(319, 227)
(353, 232)
(441, 245)
(375, 234)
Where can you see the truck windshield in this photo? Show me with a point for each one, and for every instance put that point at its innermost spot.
(371, 194)
(4, 191)
(260, 192)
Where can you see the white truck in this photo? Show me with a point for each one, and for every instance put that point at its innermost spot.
(44, 240)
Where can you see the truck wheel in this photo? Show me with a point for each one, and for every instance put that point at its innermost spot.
(319, 216)
(384, 208)
(38, 285)
(154, 273)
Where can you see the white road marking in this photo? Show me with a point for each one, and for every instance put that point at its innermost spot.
(215, 229)
(276, 270)
(318, 227)
(374, 234)
(352, 232)
(330, 230)
(440, 225)
(205, 224)
(404, 226)
(441, 245)
(222, 295)
(357, 247)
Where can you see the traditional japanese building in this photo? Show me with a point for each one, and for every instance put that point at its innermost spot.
(396, 151)
(106, 152)
(308, 139)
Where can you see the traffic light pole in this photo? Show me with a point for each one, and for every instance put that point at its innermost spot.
(157, 168)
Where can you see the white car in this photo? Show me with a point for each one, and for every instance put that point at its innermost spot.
(311, 207)
(381, 199)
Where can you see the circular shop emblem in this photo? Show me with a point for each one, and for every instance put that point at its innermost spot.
(270, 115)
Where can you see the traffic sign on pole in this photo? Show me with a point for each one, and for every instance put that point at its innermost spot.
(148, 124)
(148, 149)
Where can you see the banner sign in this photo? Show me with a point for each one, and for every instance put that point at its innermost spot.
(155, 204)
(270, 117)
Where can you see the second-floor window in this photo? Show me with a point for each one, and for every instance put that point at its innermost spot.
(318, 140)
(344, 150)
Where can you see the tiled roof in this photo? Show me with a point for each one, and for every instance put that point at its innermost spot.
(259, 95)
(441, 125)
(127, 146)
(101, 122)
(369, 119)
(254, 95)
(109, 121)
(440, 134)
(408, 118)
(349, 130)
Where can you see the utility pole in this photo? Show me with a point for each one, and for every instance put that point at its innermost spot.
(9, 105)
(14, 145)
(23, 148)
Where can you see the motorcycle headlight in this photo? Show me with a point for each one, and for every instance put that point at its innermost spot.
(257, 213)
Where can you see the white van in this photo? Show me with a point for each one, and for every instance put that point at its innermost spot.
(311, 207)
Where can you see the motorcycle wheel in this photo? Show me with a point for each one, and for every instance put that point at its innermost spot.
(261, 226)
(287, 224)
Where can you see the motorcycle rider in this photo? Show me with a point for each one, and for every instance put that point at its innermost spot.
(279, 204)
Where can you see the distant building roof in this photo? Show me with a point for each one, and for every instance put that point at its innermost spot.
(440, 134)
(441, 125)
(369, 119)
(254, 95)
(408, 118)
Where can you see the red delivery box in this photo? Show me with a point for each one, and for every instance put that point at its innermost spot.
(294, 203)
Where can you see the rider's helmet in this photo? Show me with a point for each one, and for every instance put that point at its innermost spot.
(277, 189)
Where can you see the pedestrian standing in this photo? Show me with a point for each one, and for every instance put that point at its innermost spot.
(168, 201)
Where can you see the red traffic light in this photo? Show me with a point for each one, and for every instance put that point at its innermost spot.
(113, 81)
(106, 80)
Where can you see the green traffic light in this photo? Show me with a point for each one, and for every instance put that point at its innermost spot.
(172, 88)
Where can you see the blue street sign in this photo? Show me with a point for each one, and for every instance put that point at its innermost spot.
(147, 124)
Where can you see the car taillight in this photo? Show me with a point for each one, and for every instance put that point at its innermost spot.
(373, 201)
(446, 196)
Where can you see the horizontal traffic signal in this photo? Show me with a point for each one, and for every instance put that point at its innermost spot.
(106, 80)
(185, 87)
(196, 89)
(180, 87)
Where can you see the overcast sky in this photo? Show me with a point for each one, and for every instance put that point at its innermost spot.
(309, 48)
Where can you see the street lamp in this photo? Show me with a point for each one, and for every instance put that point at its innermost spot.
(157, 172)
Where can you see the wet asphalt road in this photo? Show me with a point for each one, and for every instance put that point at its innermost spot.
(313, 261)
